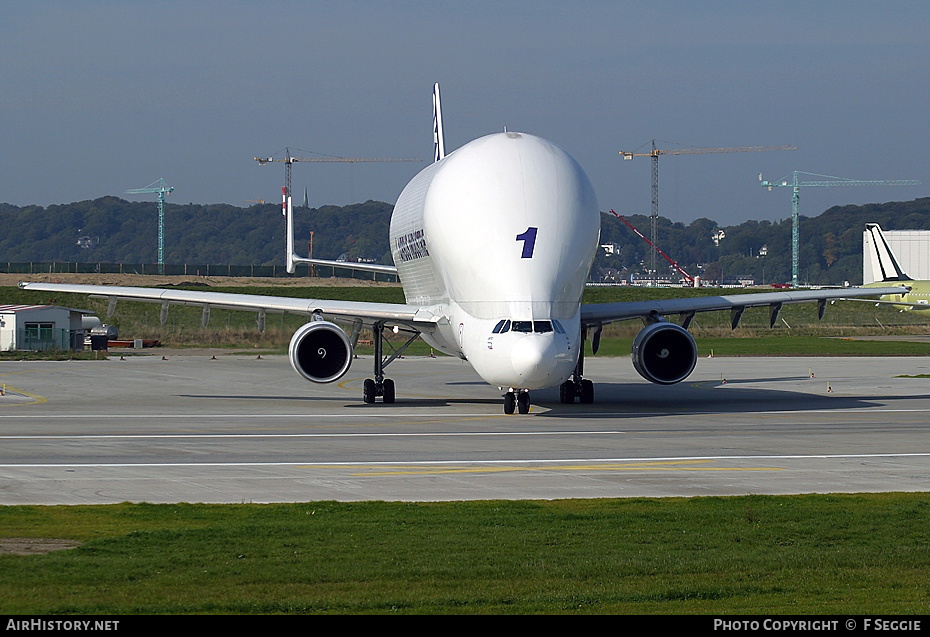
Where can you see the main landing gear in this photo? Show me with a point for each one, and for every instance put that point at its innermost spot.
(576, 385)
(373, 389)
(379, 385)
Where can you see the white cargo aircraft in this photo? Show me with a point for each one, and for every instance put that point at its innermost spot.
(493, 244)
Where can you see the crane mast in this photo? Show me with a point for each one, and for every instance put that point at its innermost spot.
(162, 189)
(825, 181)
(655, 178)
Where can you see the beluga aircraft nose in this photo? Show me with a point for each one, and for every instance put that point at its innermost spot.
(537, 361)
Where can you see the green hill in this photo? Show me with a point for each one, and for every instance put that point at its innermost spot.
(111, 230)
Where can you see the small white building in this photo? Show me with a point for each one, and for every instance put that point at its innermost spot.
(40, 327)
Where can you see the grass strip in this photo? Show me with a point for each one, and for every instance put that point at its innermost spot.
(809, 554)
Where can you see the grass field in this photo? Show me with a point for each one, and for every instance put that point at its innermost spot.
(815, 554)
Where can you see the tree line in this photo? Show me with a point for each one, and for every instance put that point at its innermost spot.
(830, 246)
(113, 230)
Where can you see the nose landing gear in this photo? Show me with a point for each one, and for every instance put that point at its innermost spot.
(517, 400)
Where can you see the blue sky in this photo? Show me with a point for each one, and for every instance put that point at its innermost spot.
(101, 96)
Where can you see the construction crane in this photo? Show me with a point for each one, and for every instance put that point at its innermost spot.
(690, 279)
(827, 181)
(289, 160)
(163, 189)
(683, 151)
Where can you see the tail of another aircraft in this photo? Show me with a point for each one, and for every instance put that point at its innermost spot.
(439, 144)
(884, 264)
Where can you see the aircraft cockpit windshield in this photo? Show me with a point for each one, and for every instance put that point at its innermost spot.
(540, 327)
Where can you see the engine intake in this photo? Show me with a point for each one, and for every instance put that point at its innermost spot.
(320, 352)
(664, 353)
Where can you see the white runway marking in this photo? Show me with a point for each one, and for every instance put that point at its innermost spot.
(840, 456)
(435, 416)
(318, 435)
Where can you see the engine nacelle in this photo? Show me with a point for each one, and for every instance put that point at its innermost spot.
(320, 352)
(664, 353)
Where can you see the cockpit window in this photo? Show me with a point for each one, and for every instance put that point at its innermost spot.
(502, 327)
(558, 327)
(523, 326)
(542, 326)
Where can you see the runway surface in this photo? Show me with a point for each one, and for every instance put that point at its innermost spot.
(248, 429)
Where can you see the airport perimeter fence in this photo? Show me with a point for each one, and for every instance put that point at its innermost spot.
(198, 270)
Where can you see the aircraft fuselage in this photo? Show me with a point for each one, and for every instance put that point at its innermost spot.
(498, 238)
(917, 300)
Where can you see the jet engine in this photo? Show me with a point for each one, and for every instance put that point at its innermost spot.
(664, 353)
(320, 352)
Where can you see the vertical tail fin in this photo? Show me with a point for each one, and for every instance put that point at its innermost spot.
(884, 263)
(439, 144)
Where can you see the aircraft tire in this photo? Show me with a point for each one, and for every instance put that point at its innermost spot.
(523, 402)
(510, 402)
(587, 392)
(368, 392)
(388, 391)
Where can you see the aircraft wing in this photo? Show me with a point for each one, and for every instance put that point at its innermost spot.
(601, 313)
(368, 313)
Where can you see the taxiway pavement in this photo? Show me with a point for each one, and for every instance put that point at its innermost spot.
(248, 429)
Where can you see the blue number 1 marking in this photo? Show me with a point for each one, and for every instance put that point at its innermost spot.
(529, 242)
